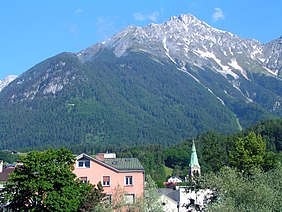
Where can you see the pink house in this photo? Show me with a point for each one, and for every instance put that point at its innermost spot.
(111, 172)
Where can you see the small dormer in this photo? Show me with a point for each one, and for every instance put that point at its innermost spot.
(83, 162)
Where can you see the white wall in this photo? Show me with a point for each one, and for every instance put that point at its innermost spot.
(168, 204)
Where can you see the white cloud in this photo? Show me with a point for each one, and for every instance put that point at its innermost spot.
(77, 11)
(154, 16)
(139, 17)
(217, 14)
(105, 27)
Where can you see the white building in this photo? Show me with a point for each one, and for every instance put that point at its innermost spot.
(174, 179)
(184, 198)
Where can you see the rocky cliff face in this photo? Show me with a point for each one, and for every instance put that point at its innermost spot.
(6, 81)
(273, 56)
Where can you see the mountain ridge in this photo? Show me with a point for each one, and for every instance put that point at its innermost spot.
(187, 31)
(156, 84)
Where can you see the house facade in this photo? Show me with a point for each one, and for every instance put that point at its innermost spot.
(127, 173)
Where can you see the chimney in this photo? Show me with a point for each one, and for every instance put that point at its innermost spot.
(103, 156)
(1, 166)
(100, 156)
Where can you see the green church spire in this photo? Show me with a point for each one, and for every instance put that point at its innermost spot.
(194, 158)
(194, 166)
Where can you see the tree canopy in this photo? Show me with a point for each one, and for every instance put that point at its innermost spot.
(249, 153)
(234, 191)
(45, 182)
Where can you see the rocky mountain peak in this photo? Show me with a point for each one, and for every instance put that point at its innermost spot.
(273, 55)
(186, 40)
(186, 19)
(7, 81)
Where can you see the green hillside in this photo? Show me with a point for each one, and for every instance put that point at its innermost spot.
(131, 100)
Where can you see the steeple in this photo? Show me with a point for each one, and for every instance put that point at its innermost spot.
(194, 166)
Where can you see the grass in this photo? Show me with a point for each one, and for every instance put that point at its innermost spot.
(168, 171)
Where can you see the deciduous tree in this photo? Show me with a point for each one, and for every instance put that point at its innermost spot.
(249, 153)
(260, 191)
(45, 182)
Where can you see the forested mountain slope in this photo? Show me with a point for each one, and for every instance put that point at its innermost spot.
(157, 84)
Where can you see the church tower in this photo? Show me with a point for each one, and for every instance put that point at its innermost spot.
(194, 166)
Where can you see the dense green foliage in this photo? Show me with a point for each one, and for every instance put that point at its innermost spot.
(45, 183)
(249, 153)
(132, 100)
(271, 132)
(260, 191)
(151, 157)
(94, 199)
(214, 151)
(7, 157)
(256, 150)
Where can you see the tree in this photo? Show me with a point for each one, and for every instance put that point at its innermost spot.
(212, 149)
(94, 200)
(260, 191)
(177, 171)
(149, 202)
(249, 153)
(45, 182)
(151, 196)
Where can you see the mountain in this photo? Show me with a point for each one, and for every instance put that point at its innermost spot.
(273, 56)
(6, 81)
(156, 84)
(186, 40)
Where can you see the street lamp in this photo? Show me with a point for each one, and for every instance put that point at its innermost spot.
(178, 206)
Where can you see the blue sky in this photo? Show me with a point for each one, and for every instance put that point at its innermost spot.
(32, 30)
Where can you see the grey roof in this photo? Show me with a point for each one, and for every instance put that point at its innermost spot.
(123, 164)
(117, 164)
(4, 175)
(172, 194)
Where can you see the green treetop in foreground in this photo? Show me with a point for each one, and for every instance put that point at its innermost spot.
(233, 191)
(45, 182)
(249, 153)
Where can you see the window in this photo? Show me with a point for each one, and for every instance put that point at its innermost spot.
(87, 163)
(83, 163)
(129, 198)
(106, 180)
(83, 180)
(128, 180)
(80, 163)
(108, 198)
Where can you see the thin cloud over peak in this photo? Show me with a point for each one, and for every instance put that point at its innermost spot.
(217, 14)
(154, 16)
(106, 27)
